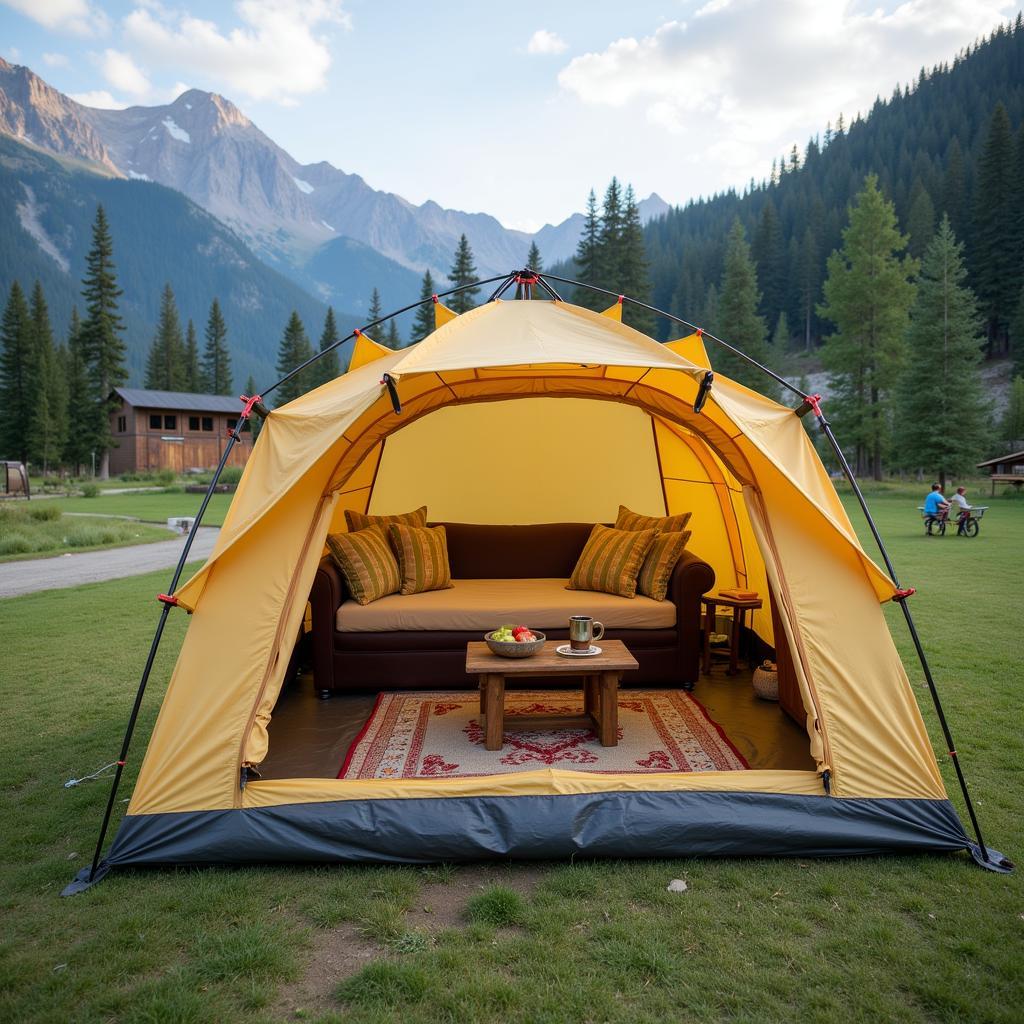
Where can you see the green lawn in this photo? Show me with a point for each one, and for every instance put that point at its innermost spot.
(150, 506)
(924, 938)
(31, 530)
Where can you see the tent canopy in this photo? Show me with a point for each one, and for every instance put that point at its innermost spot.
(561, 386)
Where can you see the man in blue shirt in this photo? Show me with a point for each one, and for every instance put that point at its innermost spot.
(935, 504)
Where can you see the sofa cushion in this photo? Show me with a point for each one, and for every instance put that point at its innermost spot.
(422, 553)
(659, 563)
(360, 520)
(482, 605)
(611, 561)
(367, 563)
(627, 520)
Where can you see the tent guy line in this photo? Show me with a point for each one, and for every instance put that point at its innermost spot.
(990, 859)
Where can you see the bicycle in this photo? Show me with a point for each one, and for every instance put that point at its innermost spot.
(968, 522)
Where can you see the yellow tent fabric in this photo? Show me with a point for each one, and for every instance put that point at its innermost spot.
(442, 314)
(765, 516)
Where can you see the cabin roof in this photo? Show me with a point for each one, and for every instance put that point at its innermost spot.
(187, 401)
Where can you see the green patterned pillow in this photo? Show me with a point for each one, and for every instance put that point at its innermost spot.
(367, 563)
(360, 520)
(611, 561)
(627, 520)
(659, 563)
(422, 553)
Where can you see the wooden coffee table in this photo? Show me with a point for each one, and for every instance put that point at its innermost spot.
(600, 675)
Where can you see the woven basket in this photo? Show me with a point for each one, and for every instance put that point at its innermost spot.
(766, 681)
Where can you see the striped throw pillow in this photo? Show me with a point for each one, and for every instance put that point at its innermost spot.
(627, 520)
(360, 521)
(422, 553)
(367, 563)
(611, 560)
(659, 563)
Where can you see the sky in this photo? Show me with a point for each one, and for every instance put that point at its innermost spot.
(514, 110)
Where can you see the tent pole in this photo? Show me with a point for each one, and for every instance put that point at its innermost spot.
(685, 323)
(86, 878)
(982, 854)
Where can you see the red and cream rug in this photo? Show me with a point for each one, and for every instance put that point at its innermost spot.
(439, 735)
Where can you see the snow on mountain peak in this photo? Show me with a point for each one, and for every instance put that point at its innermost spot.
(302, 186)
(174, 131)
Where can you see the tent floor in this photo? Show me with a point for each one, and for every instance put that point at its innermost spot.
(309, 737)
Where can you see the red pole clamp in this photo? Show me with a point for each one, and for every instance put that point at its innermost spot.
(903, 594)
(435, 298)
(526, 278)
(700, 332)
(620, 299)
(250, 401)
(358, 333)
(814, 401)
(121, 764)
(167, 599)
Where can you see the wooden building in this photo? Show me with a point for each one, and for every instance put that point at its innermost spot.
(175, 430)
(1007, 469)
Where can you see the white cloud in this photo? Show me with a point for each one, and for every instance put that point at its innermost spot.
(124, 74)
(544, 42)
(98, 98)
(13, 53)
(55, 60)
(277, 53)
(76, 16)
(745, 79)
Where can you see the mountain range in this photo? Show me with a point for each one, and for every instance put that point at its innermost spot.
(328, 230)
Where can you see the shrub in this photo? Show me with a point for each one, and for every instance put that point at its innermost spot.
(90, 490)
(231, 475)
(43, 513)
(165, 477)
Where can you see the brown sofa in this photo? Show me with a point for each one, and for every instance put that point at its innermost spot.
(401, 643)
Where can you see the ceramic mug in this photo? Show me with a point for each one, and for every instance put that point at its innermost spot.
(583, 630)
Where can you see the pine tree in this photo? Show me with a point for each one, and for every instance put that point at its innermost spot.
(768, 253)
(102, 345)
(610, 268)
(996, 275)
(920, 220)
(1017, 334)
(294, 350)
(191, 374)
(78, 447)
(533, 260)
(463, 272)
(255, 420)
(17, 376)
(740, 324)
(216, 362)
(944, 349)
(707, 317)
(954, 188)
(375, 313)
(48, 429)
(867, 295)
(808, 283)
(165, 365)
(780, 336)
(1012, 428)
(587, 256)
(393, 339)
(423, 323)
(634, 279)
(327, 366)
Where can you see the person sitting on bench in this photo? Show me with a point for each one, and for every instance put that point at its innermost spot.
(936, 505)
(965, 508)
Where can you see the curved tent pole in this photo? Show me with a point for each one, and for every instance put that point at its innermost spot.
(983, 855)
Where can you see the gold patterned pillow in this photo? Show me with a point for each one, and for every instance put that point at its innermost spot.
(360, 520)
(611, 560)
(367, 563)
(627, 520)
(422, 553)
(659, 563)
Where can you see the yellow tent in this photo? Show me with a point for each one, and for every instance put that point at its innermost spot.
(548, 374)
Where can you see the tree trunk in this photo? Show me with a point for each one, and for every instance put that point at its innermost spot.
(942, 480)
(104, 473)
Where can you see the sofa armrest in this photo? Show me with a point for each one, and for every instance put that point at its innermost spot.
(691, 579)
(325, 598)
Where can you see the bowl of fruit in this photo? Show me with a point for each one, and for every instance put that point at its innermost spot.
(514, 641)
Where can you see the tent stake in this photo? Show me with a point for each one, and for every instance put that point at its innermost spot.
(985, 857)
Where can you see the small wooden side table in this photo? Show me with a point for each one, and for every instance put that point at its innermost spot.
(600, 675)
(739, 614)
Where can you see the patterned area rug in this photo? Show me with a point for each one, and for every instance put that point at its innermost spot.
(440, 735)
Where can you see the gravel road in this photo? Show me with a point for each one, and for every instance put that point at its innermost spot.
(95, 566)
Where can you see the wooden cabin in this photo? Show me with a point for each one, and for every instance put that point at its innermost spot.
(175, 430)
(1007, 469)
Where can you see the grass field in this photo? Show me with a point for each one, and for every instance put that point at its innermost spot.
(34, 530)
(925, 938)
(150, 506)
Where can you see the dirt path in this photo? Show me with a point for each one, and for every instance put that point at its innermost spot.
(71, 570)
